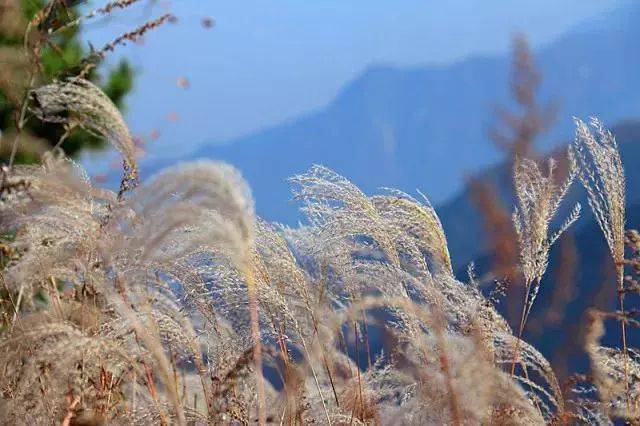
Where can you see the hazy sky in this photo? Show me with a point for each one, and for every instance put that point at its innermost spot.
(268, 61)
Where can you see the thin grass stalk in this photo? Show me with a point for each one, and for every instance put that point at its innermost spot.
(357, 347)
(257, 345)
(444, 366)
(284, 376)
(365, 331)
(314, 321)
(13, 305)
(315, 379)
(326, 366)
(56, 295)
(523, 319)
(525, 373)
(623, 331)
(155, 348)
(151, 386)
(134, 384)
(17, 306)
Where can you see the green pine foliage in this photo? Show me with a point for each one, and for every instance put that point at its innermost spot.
(59, 58)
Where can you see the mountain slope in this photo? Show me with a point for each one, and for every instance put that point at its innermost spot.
(463, 223)
(426, 127)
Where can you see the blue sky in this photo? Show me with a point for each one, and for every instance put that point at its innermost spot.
(266, 62)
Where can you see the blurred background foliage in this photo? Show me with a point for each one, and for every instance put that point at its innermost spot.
(60, 56)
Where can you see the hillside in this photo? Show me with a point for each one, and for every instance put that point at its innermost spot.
(463, 223)
(427, 127)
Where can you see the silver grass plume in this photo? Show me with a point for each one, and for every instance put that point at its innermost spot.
(538, 197)
(56, 223)
(339, 209)
(197, 205)
(194, 208)
(155, 235)
(78, 102)
(418, 221)
(359, 224)
(595, 158)
(168, 276)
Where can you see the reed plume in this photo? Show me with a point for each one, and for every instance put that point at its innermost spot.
(538, 197)
(595, 157)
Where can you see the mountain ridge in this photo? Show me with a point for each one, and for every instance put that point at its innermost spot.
(426, 127)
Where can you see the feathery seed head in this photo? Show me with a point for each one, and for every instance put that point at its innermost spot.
(76, 101)
(595, 158)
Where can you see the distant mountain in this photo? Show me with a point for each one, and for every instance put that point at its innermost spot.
(427, 127)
